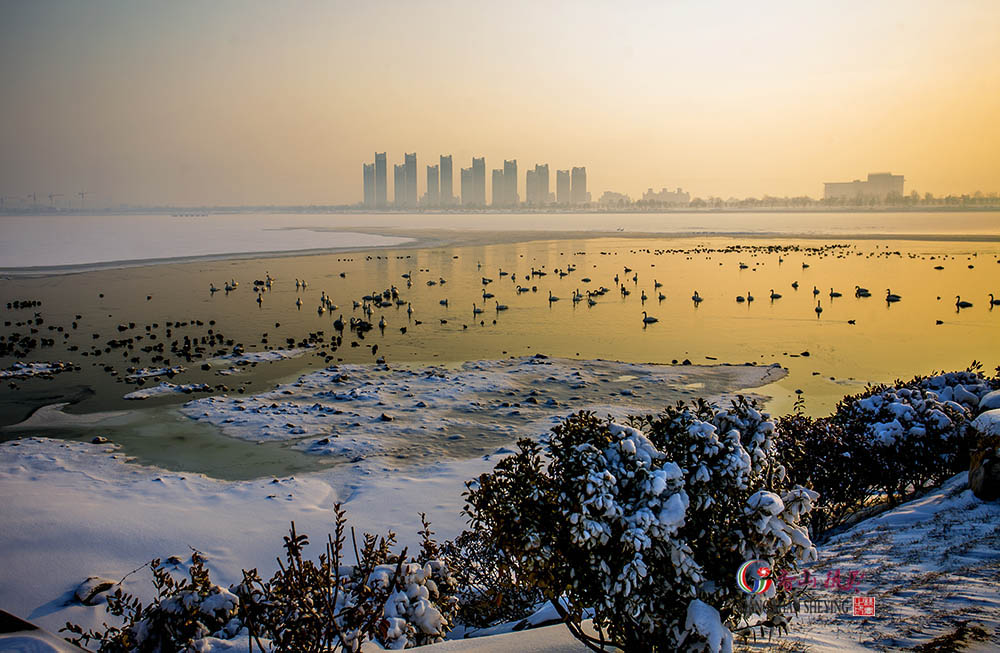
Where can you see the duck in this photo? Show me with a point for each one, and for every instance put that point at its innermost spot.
(648, 319)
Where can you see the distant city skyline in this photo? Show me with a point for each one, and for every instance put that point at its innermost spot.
(252, 103)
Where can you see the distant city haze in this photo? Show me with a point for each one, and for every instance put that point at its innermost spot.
(254, 102)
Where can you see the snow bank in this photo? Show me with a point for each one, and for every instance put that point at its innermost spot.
(362, 410)
(24, 370)
(166, 389)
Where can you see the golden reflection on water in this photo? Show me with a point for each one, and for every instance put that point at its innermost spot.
(886, 340)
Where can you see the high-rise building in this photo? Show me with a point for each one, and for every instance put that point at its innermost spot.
(466, 185)
(369, 179)
(447, 191)
(536, 188)
(433, 186)
(562, 187)
(380, 180)
(479, 180)
(498, 187)
(410, 161)
(399, 185)
(578, 189)
(510, 182)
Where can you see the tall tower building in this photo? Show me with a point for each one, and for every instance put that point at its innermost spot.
(447, 191)
(410, 161)
(479, 180)
(499, 193)
(537, 187)
(578, 191)
(433, 186)
(369, 178)
(468, 198)
(380, 180)
(399, 185)
(510, 182)
(562, 187)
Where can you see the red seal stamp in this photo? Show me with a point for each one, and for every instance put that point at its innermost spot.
(864, 606)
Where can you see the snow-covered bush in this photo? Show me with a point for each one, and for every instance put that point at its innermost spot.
(647, 523)
(184, 611)
(306, 605)
(886, 441)
(490, 589)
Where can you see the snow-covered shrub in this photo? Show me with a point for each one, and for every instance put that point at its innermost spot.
(888, 440)
(820, 454)
(647, 523)
(914, 432)
(306, 605)
(490, 590)
(184, 611)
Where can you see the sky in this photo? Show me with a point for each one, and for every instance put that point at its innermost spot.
(260, 102)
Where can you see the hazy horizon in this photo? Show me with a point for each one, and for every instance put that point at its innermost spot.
(254, 103)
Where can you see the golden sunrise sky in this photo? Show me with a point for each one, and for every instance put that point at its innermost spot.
(261, 102)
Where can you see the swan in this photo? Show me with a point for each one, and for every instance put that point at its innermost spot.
(260, 299)
(409, 308)
(647, 319)
(774, 295)
(643, 296)
(476, 310)
(834, 293)
(212, 288)
(795, 284)
(338, 324)
(320, 309)
(657, 284)
(443, 302)
(740, 299)
(696, 297)
(590, 301)
(890, 297)
(381, 322)
(861, 292)
(661, 297)
(960, 304)
(298, 302)
(818, 309)
(815, 291)
(994, 302)
(487, 295)
(749, 296)
(501, 307)
(552, 298)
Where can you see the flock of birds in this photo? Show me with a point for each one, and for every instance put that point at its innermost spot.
(391, 296)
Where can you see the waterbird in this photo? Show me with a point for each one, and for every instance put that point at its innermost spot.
(381, 322)
(552, 298)
(501, 307)
(443, 302)
(818, 309)
(815, 291)
(212, 288)
(648, 319)
(890, 297)
(960, 304)
(795, 284)
(696, 298)
(861, 292)
(476, 310)
(298, 303)
(774, 295)
(994, 302)
(834, 293)
(749, 296)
